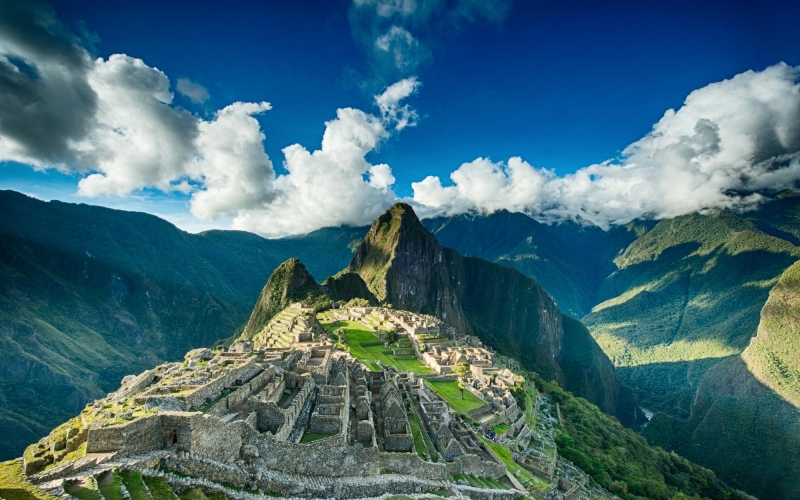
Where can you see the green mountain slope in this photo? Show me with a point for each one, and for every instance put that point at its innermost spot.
(773, 356)
(289, 283)
(404, 265)
(568, 260)
(685, 294)
(89, 295)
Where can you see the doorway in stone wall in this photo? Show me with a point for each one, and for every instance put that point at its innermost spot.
(172, 437)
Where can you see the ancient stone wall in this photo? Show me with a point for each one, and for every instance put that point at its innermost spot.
(211, 438)
(473, 464)
(194, 465)
(136, 437)
(411, 464)
(326, 457)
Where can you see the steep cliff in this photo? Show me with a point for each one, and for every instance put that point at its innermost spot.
(404, 265)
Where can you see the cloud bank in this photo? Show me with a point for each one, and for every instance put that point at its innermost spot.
(729, 141)
(113, 123)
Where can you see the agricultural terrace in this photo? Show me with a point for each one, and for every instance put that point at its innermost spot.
(452, 394)
(365, 346)
(526, 477)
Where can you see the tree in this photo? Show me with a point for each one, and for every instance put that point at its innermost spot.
(462, 370)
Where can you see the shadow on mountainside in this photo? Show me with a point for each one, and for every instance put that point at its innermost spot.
(740, 429)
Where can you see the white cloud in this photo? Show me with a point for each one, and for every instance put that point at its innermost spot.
(389, 103)
(194, 91)
(728, 139)
(138, 140)
(235, 172)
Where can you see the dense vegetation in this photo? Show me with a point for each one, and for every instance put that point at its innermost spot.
(621, 461)
(774, 354)
(674, 303)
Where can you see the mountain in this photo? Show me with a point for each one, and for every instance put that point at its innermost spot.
(773, 355)
(569, 260)
(89, 295)
(403, 264)
(289, 283)
(677, 304)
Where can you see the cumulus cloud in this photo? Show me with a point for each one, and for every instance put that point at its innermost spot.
(194, 91)
(727, 142)
(113, 122)
(335, 184)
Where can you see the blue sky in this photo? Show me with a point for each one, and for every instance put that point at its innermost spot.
(562, 85)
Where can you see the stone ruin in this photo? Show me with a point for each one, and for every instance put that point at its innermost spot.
(292, 418)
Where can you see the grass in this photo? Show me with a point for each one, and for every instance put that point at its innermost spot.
(501, 428)
(110, 489)
(310, 437)
(426, 440)
(480, 482)
(357, 334)
(14, 485)
(159, 489)
(134, 484)
(452, 394)
(84, 493)
(526, 477)
(194, 494)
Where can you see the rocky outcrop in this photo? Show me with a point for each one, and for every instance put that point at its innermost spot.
(404, 265)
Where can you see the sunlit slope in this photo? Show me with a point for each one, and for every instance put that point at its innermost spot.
(773, 356)
(686, 294)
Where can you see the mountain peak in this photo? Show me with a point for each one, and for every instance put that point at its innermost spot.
(290, 282)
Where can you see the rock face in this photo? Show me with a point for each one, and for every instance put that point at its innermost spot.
(345, 286)
(289, 283)
(404, 265)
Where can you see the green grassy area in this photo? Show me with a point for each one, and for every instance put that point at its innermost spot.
(357, 334)
(15, 486)
(134, 484)
(159, 489)
(194, 494)
(419, 442)
(500, 428)
(480, 482)
(452, 394)
(310, 437)
(84, 493)
(525, 476)
(109, 486)
(415, 420)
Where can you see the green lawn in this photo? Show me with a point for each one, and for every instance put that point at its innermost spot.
(159, 489)
(500, 428)
(358, 334)
(110, 487)
(133, 483)
(480, 482)
(452, 394)
(309, 437)
(525, 477)
(15, 486)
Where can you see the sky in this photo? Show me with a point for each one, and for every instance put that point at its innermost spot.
(284, 117)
